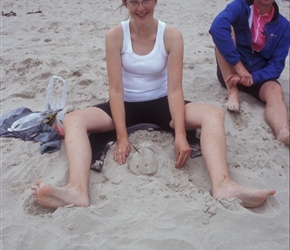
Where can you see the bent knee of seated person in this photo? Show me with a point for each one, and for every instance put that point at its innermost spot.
(77, 117)
(217, 111)
(271, 89)
(212, 112)
(213, 115)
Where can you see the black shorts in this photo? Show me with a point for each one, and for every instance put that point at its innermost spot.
(155, 112)
(253, 90)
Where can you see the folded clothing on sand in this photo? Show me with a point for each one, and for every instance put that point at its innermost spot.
(37, 130)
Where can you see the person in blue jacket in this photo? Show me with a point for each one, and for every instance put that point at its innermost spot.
(252, 42)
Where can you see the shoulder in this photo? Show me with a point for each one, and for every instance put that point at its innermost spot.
(114, 38)
(173, 39)
(283, 20)
(246, 3)
(237, 6)
(171, 32)
(115, 32)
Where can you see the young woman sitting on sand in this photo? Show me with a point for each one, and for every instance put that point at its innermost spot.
(144, 63)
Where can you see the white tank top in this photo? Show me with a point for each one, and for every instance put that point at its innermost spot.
(144, 76)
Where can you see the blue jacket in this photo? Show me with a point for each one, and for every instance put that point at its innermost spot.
(264, 65)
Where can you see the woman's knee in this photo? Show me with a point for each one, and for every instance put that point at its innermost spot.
(217, 112)
(212, 116)
(91, 119)
(201, 114)
(74, 117)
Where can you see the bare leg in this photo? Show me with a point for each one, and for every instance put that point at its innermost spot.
(233, 103)
(76, 126)
(276, 112)
(213, 144)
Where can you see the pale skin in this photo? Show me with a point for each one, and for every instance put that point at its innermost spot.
(210, 119)
(271, 92)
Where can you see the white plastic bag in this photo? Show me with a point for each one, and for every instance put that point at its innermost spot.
(33, 120)
(56, 99)
(26, 122)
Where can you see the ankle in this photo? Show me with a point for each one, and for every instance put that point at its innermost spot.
(283, 135)
(221, 186)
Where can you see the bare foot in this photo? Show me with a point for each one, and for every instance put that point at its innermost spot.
(250, 197)
(233, 103)
(53, 197)
(232, 106)
(283, 136)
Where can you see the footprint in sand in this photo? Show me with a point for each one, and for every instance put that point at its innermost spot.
(144, 161)
(241, 119)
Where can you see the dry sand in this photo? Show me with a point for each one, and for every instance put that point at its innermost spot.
(166, 208)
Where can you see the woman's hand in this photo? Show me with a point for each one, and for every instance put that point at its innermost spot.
(182, 151)
(121, 151)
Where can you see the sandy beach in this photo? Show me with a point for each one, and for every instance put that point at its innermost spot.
(166, 208)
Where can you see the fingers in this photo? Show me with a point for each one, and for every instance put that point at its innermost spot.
(233, 80)
(247, 81)
(182, 157)
(230, 77)
(246, 77)
(242, 76)
(120, 155)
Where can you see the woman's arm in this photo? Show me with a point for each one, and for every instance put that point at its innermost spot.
(114, 42)
(173, 41)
